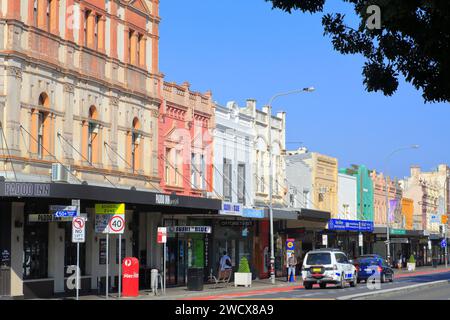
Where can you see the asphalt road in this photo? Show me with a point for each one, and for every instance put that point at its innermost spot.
(332, 292)
(441, 292)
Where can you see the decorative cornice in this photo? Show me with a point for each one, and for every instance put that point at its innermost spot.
(14, 71)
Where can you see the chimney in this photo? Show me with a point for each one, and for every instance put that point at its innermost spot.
(415, 171)
(251, 104)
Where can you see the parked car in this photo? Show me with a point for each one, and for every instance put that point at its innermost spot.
(325, 266)
(374, 266)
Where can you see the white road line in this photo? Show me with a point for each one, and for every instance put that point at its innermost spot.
(403, 288)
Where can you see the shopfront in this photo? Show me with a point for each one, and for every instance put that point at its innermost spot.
(354, 237)
(37, 250)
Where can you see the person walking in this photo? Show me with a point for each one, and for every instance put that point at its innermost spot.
(225, 265)
(292, 263)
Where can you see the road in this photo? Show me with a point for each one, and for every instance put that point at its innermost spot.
(441, 292)
(332, 292)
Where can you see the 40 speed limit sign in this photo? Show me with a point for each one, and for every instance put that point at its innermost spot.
(117, 224)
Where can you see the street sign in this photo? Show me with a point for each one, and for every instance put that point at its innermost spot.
(325, 240)
(162, 235)
(110, 218)
(78, 230)
(63, 211)
(117, 224)
(443, 243)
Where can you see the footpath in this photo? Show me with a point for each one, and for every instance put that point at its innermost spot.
(259, 287)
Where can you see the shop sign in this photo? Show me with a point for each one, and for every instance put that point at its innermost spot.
(21, 189)
(166, 199)
(5, 256)
(51, 218)
(290, 244)
(231, 209)
(398, 231)
(434, 218)
(189, 229)
(444, 219)
(64, 211)
(162, 235)
(236, 223)
(350, 225)
(253, 213)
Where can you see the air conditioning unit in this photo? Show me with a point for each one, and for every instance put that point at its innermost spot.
(60, 173)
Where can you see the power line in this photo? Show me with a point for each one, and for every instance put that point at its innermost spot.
(9, 153)
(60, 136)
(21, 127)
(151, 183)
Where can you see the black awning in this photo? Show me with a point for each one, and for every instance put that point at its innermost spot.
(282, 214)
(106, 194)
(314, 215)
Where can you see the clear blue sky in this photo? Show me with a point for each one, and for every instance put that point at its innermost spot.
(243, 49)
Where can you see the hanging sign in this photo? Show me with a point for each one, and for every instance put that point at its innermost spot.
(189, 229)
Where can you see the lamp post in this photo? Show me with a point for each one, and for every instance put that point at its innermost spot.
(269, 112)
(388, 245)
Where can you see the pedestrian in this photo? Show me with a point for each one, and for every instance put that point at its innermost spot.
(225, 265)
(292, 263)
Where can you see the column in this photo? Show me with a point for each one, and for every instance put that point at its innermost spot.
(11, 126)
(56, 256)
(126, 52)
(17, 248)
(67, 133)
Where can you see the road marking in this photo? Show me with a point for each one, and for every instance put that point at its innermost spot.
(386, 291)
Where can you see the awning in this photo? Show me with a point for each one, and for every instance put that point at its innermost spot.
(97, 193)
(314, 215)
(399, 232)
(281, 214)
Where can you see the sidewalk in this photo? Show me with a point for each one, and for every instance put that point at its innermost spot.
(262, 286)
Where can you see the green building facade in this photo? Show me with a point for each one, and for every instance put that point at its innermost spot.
(364, 186)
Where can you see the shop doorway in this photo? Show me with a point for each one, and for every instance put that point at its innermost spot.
(176, 261)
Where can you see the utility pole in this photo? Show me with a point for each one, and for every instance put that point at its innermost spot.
(269, 114)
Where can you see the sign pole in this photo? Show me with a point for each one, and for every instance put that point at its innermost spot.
(164, 273)
(107, 264)
(78, 268)
(120, 263)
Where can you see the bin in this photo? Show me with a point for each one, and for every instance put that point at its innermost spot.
(195, 279)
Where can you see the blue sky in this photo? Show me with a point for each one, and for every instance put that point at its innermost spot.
(243, 49)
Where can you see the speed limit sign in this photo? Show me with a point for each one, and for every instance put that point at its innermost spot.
(117, 224)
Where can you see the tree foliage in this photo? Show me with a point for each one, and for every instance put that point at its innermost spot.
(413, 41)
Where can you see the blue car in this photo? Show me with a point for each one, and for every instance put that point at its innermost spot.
(376, 268)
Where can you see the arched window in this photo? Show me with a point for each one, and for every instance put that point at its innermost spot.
(92, 141)
(40, 122)
(135, 150)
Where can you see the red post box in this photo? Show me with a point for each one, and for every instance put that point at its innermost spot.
(130, 277)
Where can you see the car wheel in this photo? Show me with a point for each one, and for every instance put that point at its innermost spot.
(308, 286)
(323, 286)
(355, 281)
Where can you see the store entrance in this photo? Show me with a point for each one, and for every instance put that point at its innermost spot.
(176, 261)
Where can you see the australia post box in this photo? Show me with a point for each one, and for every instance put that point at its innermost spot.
(130, 277)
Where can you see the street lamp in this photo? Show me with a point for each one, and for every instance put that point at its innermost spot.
(269, 112)
(388, 245)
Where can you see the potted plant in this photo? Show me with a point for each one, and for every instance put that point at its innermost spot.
(243, 277)
(411, 263)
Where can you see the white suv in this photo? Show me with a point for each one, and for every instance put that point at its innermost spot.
(328, 266)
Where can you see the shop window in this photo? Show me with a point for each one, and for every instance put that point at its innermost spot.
(40, 134)
(35, 250)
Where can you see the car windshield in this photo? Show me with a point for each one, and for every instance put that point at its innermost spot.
(318, 258)
(370, 261)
